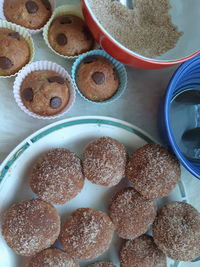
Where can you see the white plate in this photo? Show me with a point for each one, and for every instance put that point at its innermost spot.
(73, 134)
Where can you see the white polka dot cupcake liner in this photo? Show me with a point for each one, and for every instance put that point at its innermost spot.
(121, 71)
(31, 31)
(43, 65)
(60, 11)
(25, 34)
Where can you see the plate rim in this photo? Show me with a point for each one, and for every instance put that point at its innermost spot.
(42, 132)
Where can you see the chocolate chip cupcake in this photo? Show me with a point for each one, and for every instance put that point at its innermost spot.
(14, 52)
(30, 14)
(69, 36)
(97, 78)
(45, 93)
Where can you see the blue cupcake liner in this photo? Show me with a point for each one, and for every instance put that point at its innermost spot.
(121, 71)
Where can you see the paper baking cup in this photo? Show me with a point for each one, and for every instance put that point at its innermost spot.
(121, 71)
(24, 33)
(60, 11)
(2, 16)
(43, 65)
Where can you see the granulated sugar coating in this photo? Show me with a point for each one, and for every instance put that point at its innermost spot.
(87, 233)
(57, 176)
(153, 171)
(131, 213)
(146, 30)
(104, 161)
(30, 226)
(52, 258)
(176, 231)
(141, 252)
(102, 264)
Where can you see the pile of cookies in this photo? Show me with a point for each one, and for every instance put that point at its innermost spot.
(31, 227)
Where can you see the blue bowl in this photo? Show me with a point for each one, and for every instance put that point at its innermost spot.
(187, 76)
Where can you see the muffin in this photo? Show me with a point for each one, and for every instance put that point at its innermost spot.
(30, 14)
(101, 264)
(176, 231)
(97, 78)
(153, 171)
(44, 92)
(104, 161)
(69, 36)
(14, 52)
(57, 176)
(86, 234)
(131, 213)
(143, 252)
(30, 226)
(52, 257)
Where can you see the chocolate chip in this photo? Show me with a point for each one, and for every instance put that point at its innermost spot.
(31, 7)
(55, 102)
(56, 79)
(90, 59)
(14, 35)
(27, 94)
(5, 63)
(87, 33)
(61, 39)
(46, 4)
(65, 20)
(98, 77)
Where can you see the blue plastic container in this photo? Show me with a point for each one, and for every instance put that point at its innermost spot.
(187, 76)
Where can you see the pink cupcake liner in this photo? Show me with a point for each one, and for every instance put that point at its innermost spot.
(43, 65)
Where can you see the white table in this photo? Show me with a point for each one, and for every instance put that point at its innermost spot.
(139, 106)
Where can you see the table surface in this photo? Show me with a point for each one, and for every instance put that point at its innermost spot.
(139, 105)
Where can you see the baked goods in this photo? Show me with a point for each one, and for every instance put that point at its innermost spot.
(14, 52)
(44, 92)
(69, 36)
(29, 14)
(86, 234)
(52, 258)
(153, 171)
(57, 176)
(97, 78)
(141, 252)
(30, 226)
(176, 231)
(102, 264)
(104, 161)
(131, 213)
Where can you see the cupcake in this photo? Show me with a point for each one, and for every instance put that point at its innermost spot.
(30, 14)
(98, 77)
(69, 35)
(44, 90)
(14, 52)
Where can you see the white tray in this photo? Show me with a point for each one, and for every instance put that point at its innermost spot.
(73, 134)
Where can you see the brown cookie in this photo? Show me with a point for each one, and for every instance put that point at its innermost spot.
(131, 213)
(104, 161)
(153, 171)
(86, 234)
(176, 231)
(52, 258)
(30, 226)
(69, 36)
(57, 176)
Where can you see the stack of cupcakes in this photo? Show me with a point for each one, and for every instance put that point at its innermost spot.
(44, 89)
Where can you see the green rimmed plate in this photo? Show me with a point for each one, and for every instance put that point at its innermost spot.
(73, 134)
